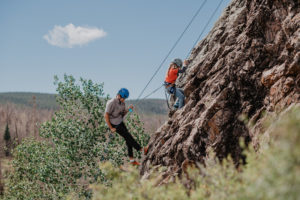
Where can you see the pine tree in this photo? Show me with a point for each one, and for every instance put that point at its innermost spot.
(7, 140)
(7, 134)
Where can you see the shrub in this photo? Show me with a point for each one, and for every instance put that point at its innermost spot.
(273, 173)
(37, 172)
(77, 139)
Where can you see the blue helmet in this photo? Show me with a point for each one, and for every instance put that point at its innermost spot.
(124, 93)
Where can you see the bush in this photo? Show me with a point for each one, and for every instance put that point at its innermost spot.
(77, 141)
(37, 172)
(274, 173)
(128, 185)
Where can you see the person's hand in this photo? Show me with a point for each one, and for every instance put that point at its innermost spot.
(130, 107)
(113, 130)
(185, 62)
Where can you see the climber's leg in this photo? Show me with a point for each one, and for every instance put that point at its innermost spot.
(180, 98)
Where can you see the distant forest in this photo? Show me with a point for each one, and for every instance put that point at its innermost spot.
(43, 101)
(48, 101)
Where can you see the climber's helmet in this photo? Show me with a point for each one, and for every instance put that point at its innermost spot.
(177, 62)
(124, 93)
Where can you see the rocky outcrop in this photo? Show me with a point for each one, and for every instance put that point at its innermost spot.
(248, 64)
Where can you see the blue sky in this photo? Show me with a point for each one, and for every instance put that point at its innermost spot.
(120, 43)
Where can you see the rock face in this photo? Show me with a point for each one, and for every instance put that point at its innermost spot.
(247, 65)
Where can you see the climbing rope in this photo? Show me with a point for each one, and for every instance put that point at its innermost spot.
(206, 25)
(152, 92)
(173, 47)
(195, 43)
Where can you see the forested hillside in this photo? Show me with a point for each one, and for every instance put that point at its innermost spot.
(43, 101)
(48, 101)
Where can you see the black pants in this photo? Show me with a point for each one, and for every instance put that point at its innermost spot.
(130, 141)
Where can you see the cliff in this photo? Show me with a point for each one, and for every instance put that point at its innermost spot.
(247, 65)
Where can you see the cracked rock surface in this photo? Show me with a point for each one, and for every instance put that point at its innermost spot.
(247, 65)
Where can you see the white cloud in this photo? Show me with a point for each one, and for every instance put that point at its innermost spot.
(70, 35)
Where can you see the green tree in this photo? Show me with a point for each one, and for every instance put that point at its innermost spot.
(7, 134)
(7, 140)
(78, 139)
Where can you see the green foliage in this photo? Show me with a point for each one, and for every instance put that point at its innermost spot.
(273, 173)
(128, 185)
(135, 127)
(78, 140)
(37, 173)
(6, 136)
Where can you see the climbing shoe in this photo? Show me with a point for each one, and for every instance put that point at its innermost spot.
(135, 163)
(145, 150)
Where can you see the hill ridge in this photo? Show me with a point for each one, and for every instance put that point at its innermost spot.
(48, 101)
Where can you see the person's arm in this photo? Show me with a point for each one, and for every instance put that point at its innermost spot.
(182, 70)
(106, 116)
(127, 110)
(185, 63)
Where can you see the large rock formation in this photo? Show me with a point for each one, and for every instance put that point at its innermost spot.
(247, 65)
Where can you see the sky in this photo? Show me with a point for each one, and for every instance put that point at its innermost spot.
(118, 43)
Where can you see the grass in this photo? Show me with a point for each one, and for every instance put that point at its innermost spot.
(5, 167)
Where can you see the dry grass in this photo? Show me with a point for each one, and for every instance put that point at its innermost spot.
(23, 122)
(5, 167)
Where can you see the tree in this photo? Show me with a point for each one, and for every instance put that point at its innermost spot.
(77, 139)
(7, 139)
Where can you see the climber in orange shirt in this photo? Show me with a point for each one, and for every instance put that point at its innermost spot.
(171, 77)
